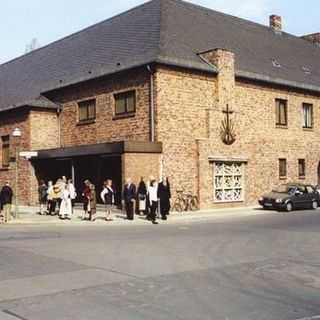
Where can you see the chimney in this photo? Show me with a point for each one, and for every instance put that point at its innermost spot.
(314, 38)
(276, 23)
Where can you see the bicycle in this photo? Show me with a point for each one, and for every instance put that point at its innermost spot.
(185, 202)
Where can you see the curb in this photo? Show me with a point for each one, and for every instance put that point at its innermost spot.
(174, 218)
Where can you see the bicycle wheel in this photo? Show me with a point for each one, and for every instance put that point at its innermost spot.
(194, 204)
(179, 205)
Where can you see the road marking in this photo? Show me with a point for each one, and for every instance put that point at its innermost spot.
(310, 318)
(10, 313)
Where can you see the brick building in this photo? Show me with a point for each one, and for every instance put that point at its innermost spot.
(225, 107)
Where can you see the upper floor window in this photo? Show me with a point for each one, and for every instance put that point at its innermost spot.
(281, 112)
(307, 111)
(87, 110)
(5, 151)
(125, 103)
(282, 168)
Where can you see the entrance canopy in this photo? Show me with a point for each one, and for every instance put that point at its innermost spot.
(96, 162)
(101, 148)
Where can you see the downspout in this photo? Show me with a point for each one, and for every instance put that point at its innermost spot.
(151, 107)
(59, 125)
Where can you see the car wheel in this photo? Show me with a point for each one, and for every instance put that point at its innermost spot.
(289, 206)
(314, 205)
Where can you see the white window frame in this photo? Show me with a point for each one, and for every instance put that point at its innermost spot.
(242, 188)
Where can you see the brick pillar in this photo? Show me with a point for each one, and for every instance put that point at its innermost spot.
(224, 61)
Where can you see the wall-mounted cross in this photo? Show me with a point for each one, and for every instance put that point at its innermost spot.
(227, 130)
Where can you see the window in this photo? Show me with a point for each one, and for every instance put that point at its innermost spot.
(125, 103)
(302, 168)
(281, 112)
(87, 110)
(282, 168)
(307, 110)
(5, 151)
(310, 189)
(228, 181)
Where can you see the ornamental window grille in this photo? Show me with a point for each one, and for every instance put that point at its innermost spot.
(228, 182)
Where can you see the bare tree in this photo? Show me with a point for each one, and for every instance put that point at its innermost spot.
(33, 45)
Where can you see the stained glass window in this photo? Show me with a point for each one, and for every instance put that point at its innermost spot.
(228, 181)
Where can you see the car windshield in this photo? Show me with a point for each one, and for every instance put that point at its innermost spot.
(284, 188)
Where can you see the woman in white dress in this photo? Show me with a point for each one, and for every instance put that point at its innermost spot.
(65, 211)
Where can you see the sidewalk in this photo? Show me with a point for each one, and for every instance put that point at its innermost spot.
(29, 216)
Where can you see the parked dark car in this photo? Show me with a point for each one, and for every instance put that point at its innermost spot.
(291, 196)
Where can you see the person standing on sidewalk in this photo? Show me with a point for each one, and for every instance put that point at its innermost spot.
(92, 203)
(65, 210)
(153, 198)
(73, 193)
(86, 199)
(129, 198)
(6, 196)
(107, 196)
(142, 197)
(164, 196)
(42, 192)
(49, 197)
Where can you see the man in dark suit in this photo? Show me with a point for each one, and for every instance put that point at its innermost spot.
(6, 195)
(129, 198)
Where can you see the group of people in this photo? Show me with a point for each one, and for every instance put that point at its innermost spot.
(58, 198)
(6, 196)
(148, 199)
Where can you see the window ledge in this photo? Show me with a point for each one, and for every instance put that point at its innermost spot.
(307, 129)
(281, 126)
(302, 177)
(283, 177)
(124, 116)
(5, 168)
(86, 122)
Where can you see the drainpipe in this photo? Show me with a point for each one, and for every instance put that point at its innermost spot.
(151, 107)
(59, 124)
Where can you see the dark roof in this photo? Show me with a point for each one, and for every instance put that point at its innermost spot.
(39, 102)
(101, 148)
(165, 31)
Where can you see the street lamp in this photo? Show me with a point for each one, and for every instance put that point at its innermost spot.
(17, 135)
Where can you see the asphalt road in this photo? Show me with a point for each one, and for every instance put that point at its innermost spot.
(264, 267)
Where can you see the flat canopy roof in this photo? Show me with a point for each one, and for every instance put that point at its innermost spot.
(101, 149)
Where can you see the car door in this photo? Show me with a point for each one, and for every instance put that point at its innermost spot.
(299, 198)
(312, 195)
(305, 198)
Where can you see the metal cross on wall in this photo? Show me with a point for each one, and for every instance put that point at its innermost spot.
(227, 130)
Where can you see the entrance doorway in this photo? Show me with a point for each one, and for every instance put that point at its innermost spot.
(319, 173)
(96, 168)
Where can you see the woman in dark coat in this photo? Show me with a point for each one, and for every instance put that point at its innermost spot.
(86, 194)
(142, 197)
(164, 194)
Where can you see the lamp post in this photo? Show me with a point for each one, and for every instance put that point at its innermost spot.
(17, 135)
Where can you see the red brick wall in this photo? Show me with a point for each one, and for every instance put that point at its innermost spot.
(105, 128)
(9, 121)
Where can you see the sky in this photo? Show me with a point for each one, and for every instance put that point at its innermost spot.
(47, 21)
